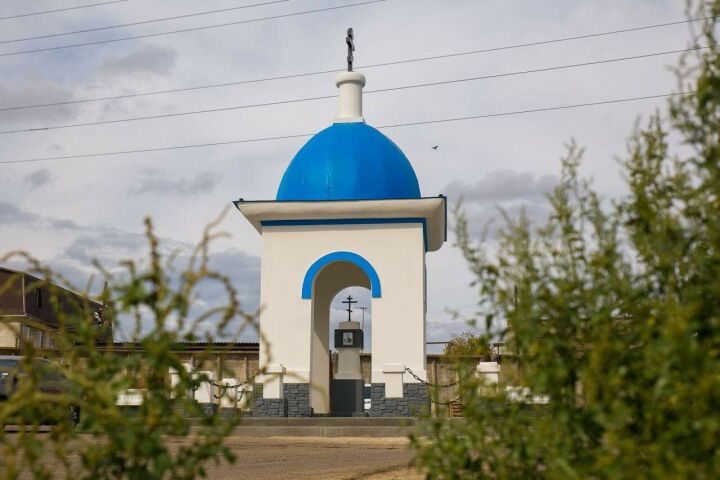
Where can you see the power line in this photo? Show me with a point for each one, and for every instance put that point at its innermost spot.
(546, 42)
(538, 70)
(168, 115)
(190, 29)
(301, 135)
(456, 309)
(142, 22)
(61, 9)
(322, 72)
(486, 50)
(174, 90)
(325, 97)
(158, 149)
(534, 110)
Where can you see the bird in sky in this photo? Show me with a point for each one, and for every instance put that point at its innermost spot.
(435, 147)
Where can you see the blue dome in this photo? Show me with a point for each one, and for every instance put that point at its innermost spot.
(349, 161)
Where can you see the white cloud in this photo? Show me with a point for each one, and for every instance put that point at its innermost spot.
(11, 214)
(95, 191)
(35, 90)
(503, 193)
(147, 59)
(110, 246)
(37, 179)
(157, 182)
(503, 185)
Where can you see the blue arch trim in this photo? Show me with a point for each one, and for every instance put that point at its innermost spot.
(350, 257)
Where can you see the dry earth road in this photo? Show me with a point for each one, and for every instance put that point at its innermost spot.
(311, 457)
(317, 457)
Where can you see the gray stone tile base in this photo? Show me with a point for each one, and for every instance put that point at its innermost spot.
(225, 412)
(267, 407)
(208, 409)
(295, 402)
(187, 411)
(415, 401)
(297, 398)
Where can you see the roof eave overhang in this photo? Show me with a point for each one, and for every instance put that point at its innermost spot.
(432, 209)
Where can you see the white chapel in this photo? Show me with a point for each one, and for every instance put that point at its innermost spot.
(348, 212)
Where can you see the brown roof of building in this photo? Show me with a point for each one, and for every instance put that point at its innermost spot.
(19, 298)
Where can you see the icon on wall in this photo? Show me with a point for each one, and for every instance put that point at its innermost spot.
(347, 339)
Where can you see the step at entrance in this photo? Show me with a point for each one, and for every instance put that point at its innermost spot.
(326, 427)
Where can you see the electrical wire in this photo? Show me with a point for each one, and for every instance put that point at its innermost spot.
(158, 149)
(306, 74)
(174, 90)
(538, 70)
(167, 115)
(533, 110)
(143, 22)
(451, 310)
(61, 9)
(325, 97)
(301, 135)
(191, 29)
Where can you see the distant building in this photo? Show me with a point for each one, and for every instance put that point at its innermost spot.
(238, 362)
(27, 313)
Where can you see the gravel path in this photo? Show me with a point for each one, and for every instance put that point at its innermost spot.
(317, 457)
(312, 457)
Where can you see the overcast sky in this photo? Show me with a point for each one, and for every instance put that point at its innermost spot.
(69, 211)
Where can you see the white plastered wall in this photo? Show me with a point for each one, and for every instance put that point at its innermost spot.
(9, 332)
(396, 252)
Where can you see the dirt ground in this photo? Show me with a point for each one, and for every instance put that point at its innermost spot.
(315, 457)
(318, 458)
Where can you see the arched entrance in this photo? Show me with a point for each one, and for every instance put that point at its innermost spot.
(324, 280)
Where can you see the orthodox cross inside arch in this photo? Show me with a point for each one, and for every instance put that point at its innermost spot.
(349, 302)
(350, 41)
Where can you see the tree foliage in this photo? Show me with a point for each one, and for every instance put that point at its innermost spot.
(109, 443)
(614, 312)
(468, 344)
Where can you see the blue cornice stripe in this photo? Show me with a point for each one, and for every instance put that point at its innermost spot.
(240, 201)
(341, 221)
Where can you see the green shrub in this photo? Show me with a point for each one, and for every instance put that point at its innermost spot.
(109, 443)
(614, 311)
